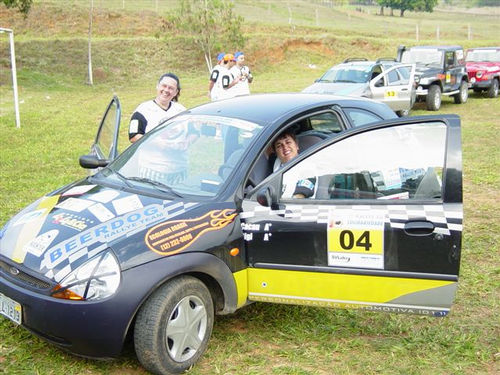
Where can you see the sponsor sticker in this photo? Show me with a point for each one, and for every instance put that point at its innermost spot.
(71, 221)
(356, 239)
(101, 212)
(104, 196)
(134, 126)
(30, 216)
(174, 236)
(39, 244)
(75, 204)
(102, 233)
(127, 204)
(78, 190)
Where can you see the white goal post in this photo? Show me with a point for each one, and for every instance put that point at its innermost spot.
(14, 75)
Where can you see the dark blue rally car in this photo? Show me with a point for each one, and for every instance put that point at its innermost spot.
(194, 221)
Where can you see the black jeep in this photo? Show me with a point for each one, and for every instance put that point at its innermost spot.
(440, 71)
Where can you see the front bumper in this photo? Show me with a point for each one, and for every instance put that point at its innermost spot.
(483, 84)
(85, 328)
(421, 91)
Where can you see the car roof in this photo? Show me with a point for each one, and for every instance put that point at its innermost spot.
(265, 109)
(385, 62)
(438, 47)
(357, 62)
(483, 48)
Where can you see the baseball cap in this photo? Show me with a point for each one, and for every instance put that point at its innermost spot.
(238, 54)
(228, 57)
(220, 56)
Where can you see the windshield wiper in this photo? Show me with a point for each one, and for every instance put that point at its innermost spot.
(121, 177)
(157, 184)
(346, 81)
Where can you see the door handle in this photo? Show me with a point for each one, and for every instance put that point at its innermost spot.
(419, 228)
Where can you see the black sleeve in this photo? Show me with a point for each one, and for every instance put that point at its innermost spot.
(305, 187)
(214, 75)
(137, 125)
(226, 80)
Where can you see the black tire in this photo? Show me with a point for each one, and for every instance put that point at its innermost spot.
(174, 325)
(463, 93)
(493, 90)
(433, 98)
(403, 112)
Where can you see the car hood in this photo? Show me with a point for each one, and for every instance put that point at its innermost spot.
(488, 66)
(347, 89)
(62, 230)
(422, 70)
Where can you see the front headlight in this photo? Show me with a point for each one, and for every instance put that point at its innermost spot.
(96, 279)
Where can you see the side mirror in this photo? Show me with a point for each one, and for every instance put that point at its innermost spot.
(92, 162)
(267, 198)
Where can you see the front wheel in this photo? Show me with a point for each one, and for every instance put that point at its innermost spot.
(174, 325)
(433, 99)
(463, 93)
(493, 90)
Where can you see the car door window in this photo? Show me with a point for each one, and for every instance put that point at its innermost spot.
(106, 142)
(404, 74)
(450, 59)
(406, 162)
(393, 78)
(360, 117)
(326, 122)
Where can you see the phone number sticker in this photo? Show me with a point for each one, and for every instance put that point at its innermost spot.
(356, 239)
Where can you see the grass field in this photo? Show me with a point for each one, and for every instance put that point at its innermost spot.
(59, 117)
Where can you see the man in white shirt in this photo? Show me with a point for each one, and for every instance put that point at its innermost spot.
(151, 113)
(214, 75)
(243, 72)
(225, 80)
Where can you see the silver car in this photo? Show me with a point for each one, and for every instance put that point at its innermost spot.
(384, 80)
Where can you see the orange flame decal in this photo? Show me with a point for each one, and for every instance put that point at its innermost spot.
(171, 237)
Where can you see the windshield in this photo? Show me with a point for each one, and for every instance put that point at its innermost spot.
(191, 154)
(483, 56)
(429, 57)
(350, 74)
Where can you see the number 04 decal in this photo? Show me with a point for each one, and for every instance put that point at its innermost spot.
(356, 239)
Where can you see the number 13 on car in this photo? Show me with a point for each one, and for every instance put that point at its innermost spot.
(356, 239)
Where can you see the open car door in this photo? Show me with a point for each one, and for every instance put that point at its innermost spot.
(382, 230)
(395, 87)
(105, 145)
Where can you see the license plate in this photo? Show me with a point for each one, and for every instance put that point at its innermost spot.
(10, 309)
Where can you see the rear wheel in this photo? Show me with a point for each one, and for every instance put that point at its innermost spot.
(403, 112)
(433, 99)
(463, 93)
(174, 325)
(493, 90)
